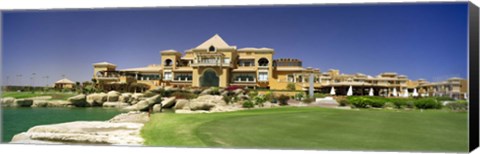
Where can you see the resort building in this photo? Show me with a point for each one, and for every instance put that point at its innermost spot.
(216, 63)
(64, 84)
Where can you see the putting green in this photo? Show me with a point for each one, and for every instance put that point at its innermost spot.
(313, 128)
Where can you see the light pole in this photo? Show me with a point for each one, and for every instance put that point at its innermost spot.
(19, 78)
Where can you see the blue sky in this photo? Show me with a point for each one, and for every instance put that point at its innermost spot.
(424, 40)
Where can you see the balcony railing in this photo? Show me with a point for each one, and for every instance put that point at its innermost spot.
(240, 80)
(211, 62)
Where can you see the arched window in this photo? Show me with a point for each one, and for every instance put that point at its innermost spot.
(168, 62)
(211, 49)
(263, 62)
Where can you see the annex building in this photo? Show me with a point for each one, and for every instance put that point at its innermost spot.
(216, 63)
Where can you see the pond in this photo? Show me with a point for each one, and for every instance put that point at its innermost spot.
(17, 120)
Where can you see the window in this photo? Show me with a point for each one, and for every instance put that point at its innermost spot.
(226, 60)
(211, 49)
(243, 77)
(183, 76)
(167, 76)
(168, 62)
(290, 78)
(263, 62)
(262, 76)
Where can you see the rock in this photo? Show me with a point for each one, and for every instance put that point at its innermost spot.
(79, 100)
(125, 98)
(220, 108)
(181, 103)
(115, 104)
(8, 102)
(134, 117)
(24, 102)
(96, 99)
(40, 103)
(112, 96)
(91, 132)
(238, 91)
(269, 105)
(206, 91)
(157, 108)
(59, 103)
(137, 97)
(243, 96)
(171, 89)
(144, 105)
(168, 103)
(224, 93)
(195, 91)
(206, 102)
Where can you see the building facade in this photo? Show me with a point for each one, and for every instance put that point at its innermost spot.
(216, 63)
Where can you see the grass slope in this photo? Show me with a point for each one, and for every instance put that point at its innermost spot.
(55, 95)
(313, 128)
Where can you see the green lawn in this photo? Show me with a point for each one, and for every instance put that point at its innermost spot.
(55, 95)
(313, 128)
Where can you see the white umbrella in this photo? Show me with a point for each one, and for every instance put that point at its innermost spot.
(415, 93)
(405, 93)
(350, 91)
(394, 92)
(332, 91)
(371, 92)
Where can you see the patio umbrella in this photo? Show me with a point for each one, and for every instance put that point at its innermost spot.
(371, 92)
(332, 91)
(405, 93)
(350, 91)
(394, 92)
(415, 93)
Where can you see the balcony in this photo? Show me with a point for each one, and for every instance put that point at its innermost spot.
(211, 62)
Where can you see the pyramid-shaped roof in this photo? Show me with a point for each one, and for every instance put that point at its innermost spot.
(104, 64)
(215, 41)
(65, 81)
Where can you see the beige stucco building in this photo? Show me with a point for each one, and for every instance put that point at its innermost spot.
(216, 63)
(64, 84)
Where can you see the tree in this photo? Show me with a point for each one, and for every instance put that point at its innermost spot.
(291, 86)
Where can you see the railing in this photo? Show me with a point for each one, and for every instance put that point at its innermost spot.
(211, 62)
(239, 80)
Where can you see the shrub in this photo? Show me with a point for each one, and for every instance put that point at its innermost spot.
(358, 102)
(184, 95)
(364, 102)
(308, 100)
(398, 103)
(299, 96)
(389, 105)
(283, 99)
(215, 91)
(378, 103)
(252, 94)
(227, 99)
(319, 95)
(460, 105)
(259, 100)
(427, 103)
(232, 88)
(443, 98)
(291, 86)
(343, 101)
(247, 104)
(269, 96)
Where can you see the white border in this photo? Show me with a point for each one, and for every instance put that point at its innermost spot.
(56, 4)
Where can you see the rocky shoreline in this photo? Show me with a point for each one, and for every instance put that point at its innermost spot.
(124, 129)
